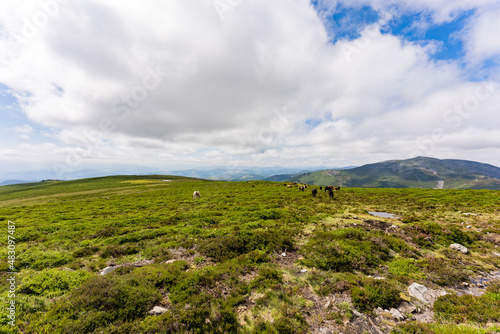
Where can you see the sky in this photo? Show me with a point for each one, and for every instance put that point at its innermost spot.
(177, 84)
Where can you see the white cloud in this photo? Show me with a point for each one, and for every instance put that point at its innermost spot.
(481, 36)
(23, 131)
(170, 81)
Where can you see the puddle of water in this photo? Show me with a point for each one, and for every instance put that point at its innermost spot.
(383, 214)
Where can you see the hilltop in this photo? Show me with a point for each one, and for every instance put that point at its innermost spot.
(136, 254)
(420, 172)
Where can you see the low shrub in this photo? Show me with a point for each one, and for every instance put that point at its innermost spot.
(267, 278)
(443, 271)
(43, 259)
(53, 282)
(405, 270)
(467, 308)
(370, 294)
(119, 250)
(222, 248)
(346, 249)
(103, 300)
(86, 251)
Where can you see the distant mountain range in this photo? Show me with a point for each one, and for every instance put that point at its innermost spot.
(243, 174)
(420, 172)
(221, 173)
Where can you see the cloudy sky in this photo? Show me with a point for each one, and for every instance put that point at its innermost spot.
(256, 82)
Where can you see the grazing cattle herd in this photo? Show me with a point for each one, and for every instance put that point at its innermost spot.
(314, 192)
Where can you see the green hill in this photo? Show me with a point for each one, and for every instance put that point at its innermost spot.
(246, 257)
(419, 172)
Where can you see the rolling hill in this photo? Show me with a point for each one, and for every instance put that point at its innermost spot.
(420, 172)
(137, 254)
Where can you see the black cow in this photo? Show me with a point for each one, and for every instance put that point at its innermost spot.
(314, 192)
(330, 193)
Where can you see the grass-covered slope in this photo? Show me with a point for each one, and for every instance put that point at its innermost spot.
(419, 172)
(246, 257)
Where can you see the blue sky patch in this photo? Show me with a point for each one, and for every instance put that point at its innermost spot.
(311, 123)
(346, 22)
(420, 28)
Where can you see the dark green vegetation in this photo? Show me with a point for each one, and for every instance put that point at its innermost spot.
(418, 172)
(217, 264)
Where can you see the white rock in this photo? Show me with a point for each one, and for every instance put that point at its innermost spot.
(107, 270)
(418, 291)
(157, 310)
(406, 307)
(283, 254)
(356, 313)
(496, 254)
(171, 261)
(396, 314)
(303, 271)
(459, 248)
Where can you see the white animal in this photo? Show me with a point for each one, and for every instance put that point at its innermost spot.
(196, 195)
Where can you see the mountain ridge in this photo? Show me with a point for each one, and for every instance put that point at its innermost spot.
(419, 172)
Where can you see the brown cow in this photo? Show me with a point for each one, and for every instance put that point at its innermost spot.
(314, 192)
(330, 193)
(289, 186)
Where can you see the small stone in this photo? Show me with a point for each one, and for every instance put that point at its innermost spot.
(157, 310)
(283, 254)
(496, 254)
(468, 226)
(107, 270)
(170, 261)
(459, 248)
(418, 291)
(303, 271)
(327, 303)
(356, 313)
(406, 308)
(396, 314)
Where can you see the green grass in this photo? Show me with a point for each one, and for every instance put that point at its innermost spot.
(230, 275)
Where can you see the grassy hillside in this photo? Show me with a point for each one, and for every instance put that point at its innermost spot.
(247, 257)
(419, 172)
